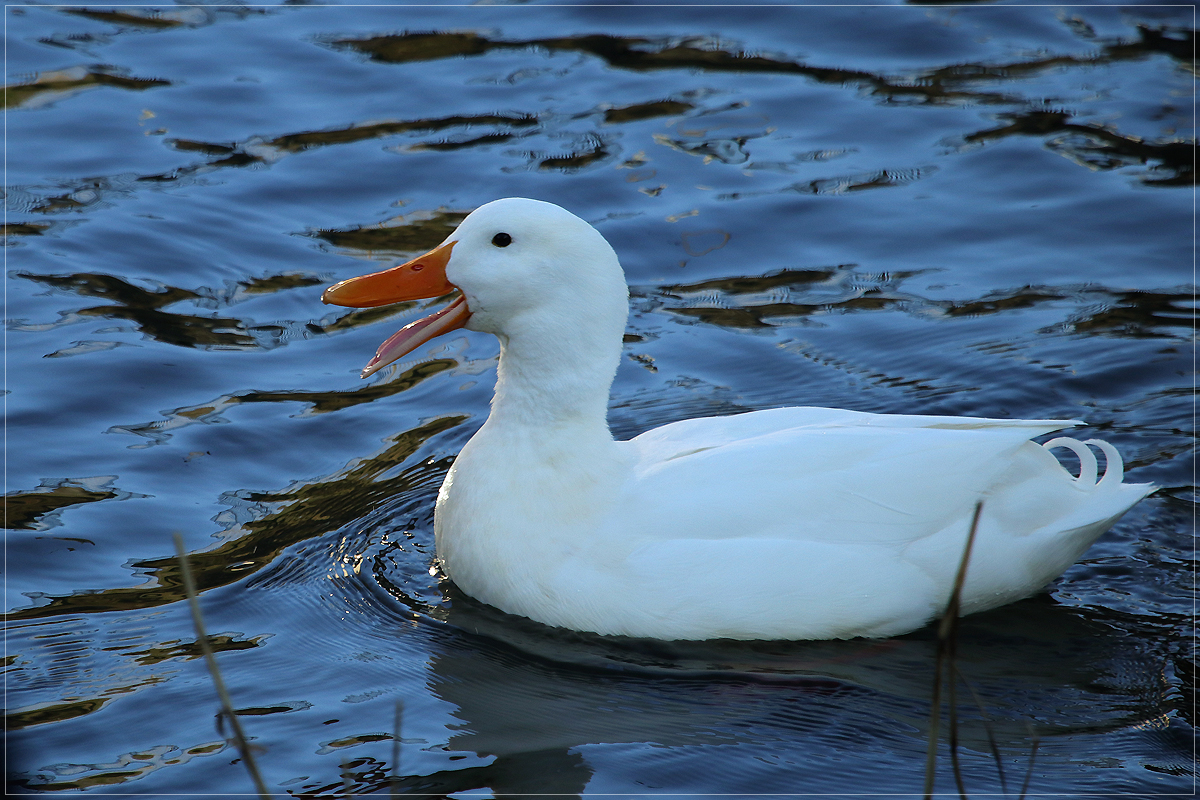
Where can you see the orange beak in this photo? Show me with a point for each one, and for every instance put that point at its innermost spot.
(423, 277)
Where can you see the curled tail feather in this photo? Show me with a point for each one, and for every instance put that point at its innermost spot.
(1114, 467)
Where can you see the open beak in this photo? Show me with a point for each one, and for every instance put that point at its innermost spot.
(421, 278)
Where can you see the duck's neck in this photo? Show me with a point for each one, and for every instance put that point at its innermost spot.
(551, 383)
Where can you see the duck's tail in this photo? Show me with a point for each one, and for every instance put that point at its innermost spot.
(1108, 497)
(1041, 524)
(1114, 467)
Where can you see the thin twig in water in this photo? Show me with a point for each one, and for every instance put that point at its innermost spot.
(951, 655)
(227, 713)
(944, 666)
(935, 714)
(987, 727)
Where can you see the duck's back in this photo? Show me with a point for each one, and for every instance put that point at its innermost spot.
(821, 474)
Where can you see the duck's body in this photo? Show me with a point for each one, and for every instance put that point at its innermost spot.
(793, 523)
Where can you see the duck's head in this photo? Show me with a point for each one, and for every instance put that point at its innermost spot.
(517, 266)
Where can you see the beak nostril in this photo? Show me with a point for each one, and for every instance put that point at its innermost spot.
(418, 267)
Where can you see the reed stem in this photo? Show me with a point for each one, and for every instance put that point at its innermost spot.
(944, 670)
(239, 738)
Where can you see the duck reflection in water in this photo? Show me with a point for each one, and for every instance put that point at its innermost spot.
(533, 698)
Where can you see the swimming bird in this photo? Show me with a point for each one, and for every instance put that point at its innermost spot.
(788, 523)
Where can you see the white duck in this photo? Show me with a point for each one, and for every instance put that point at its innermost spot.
(792, 523)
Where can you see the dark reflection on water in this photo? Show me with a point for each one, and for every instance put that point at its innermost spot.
(47, 85)
(730, 302)
(1172, 163)
(414, 236)
(34, 510)
(279, 519)
(979, 211)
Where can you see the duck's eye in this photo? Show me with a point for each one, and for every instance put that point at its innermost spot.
(502, 240)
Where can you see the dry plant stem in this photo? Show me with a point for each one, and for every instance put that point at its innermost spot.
(935, 714)
(987, 727)
(951, 654)
(210, 660)
(946, 650)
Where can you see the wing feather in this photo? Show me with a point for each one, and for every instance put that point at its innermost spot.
(819, 474)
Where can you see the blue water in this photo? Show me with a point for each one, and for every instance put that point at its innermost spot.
(980, 210)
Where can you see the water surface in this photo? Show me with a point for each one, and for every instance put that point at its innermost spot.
(979, 210)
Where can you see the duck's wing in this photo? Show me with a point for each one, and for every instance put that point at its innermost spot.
(820, 474)
(680, 438)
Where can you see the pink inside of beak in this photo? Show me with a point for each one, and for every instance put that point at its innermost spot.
(415, 334)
